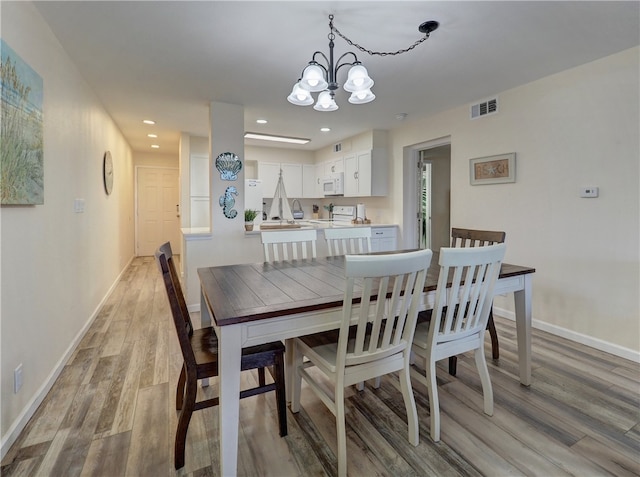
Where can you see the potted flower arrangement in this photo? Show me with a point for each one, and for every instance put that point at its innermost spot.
(249, 215)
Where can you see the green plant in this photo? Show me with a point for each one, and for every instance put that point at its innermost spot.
(250, 214)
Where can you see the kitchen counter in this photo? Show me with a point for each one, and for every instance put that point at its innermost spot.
(318, 224)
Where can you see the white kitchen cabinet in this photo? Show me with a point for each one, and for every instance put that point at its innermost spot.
(351, 179)
(199, 176)
(292, 179)
(269, 172)
(335, 165)
(311, 188)
(200, 212)
(384, 239)
(366, 174)
(319, 176)
(199, 201)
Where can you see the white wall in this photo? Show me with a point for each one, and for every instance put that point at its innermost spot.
(154, 159)
(57, 265)
(278, 154)
(573, 129)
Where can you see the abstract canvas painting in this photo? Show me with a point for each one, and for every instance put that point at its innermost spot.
(21, 149)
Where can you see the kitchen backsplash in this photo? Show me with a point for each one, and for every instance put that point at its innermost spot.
(377, 215)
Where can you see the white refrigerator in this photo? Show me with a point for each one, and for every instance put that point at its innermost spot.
(253, 197)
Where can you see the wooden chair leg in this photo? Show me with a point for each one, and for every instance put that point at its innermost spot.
(183, 422)
(453, 365)
(495, 348)
(281, 395)
(180, 388)
(261, 379)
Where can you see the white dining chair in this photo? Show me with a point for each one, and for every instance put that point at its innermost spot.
(367, 345)
(289, 243)
(459, 319)
(350, 241)
(343, 241)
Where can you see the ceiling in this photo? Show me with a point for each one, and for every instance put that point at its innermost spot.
(167, 61)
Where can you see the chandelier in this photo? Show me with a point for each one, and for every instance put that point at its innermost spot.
(322, 78)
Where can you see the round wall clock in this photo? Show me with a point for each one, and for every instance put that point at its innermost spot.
(107, 172)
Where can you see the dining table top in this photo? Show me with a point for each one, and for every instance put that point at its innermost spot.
(248, 292)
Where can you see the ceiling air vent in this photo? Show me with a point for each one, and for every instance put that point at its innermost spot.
(482, 109)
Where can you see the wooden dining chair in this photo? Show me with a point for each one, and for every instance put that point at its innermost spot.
(352, 241)
(374, 345)
(459, 319)
(289, 243)
(477, 238)
(200, 354)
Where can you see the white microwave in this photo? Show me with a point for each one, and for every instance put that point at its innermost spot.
(333, 184)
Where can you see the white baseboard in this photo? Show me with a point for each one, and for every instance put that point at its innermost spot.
(27, 413)
(586, 340)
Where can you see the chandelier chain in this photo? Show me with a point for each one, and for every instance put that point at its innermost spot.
(371, 52)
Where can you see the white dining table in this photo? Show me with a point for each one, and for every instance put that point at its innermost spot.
(251, 304)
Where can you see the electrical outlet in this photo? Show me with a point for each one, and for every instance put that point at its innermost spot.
(17, 378)
(589, 192)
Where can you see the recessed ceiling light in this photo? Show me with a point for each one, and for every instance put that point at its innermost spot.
(152, 135)
(155, 146)
(148, 121)
(325, 129)
(270, 137)
(261, 121)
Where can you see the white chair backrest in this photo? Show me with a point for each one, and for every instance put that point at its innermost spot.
(345, 241)
(462, 308)
(287, 241)
(402, 275)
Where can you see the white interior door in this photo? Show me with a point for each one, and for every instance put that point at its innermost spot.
(158, 216)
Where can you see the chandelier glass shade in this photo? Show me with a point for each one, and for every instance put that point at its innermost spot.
(322, 78)
(321, 73)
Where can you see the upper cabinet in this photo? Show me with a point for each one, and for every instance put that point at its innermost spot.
(363, 159)
(269, 172)
(311, 181)
(365, 173)
(335, 165)
(200, 209)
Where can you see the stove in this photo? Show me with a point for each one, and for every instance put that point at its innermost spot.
(344, 213)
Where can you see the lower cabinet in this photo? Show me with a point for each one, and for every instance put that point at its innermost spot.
(384, 239)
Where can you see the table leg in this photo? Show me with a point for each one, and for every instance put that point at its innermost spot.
(205, 315)
(288, 367)
(523, 328)
(229, 357)
(205, 320)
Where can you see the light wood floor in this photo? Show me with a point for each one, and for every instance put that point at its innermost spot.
(112, 412)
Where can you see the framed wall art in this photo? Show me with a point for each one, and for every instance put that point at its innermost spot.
(21, 158)
(493, 169)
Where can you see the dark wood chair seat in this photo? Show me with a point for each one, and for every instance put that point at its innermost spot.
(200, 353)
